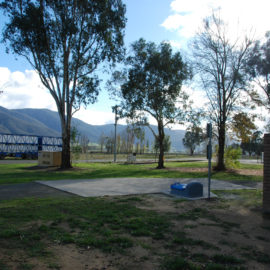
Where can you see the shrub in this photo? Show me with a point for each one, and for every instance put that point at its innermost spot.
(232, 156)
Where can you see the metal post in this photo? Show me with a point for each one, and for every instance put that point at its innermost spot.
(209, 171)
(266, 175)
(115, 126)
(209, 156)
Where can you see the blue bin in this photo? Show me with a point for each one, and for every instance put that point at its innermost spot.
(191, 190)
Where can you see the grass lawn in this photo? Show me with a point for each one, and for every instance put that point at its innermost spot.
(20, 173)
(135, 232)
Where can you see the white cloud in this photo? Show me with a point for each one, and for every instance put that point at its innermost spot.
(191, 5)
(173, 22)
(175, 44)
(24, 90)
(198, 97)
(187, 15)
(95, 117)
(4, 78)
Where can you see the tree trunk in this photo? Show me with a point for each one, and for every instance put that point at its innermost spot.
(65, 125)
(221, 146)
(161, 158)
(161, 146)
(66, 151)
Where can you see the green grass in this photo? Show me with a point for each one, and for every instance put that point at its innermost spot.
(226, 259)
(117, 225)
(195, 214)
(176, 263)
(88, 222)
(21, 173)
(251, 166)
(3, 265)
(248, 198)
(182, 239)
(181, 164)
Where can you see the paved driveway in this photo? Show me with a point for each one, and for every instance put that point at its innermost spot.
(103, 187)
(127, 186)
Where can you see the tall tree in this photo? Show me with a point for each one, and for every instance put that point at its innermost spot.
(118, 143)
(166, 144)
(151, 85)
(65, 41)
(193, 137)
(219, 62)
(254, 144)
(109, 144)
(258, 66)
(84, 142)
(243, 126)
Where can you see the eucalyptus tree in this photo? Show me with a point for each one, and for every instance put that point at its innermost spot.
(65, 42)
(151, 86)
(219, 60)
(258, 66)
(193, 137)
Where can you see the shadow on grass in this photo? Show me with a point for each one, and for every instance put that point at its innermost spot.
(21, 173)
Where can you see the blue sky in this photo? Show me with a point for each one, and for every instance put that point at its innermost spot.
(144, 20)
(175, 21)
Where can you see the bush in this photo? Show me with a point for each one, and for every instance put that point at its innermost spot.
(232, 156)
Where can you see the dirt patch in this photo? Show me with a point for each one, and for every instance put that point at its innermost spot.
(249, 172)
(237, 171)
(200, 231)
(188, 169)
(50, 169)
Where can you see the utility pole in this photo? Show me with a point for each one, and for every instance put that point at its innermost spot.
(114, 109)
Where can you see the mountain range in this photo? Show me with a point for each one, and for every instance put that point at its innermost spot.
(43, 122)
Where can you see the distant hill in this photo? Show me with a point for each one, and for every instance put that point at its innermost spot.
(18, 122)
(44, 122)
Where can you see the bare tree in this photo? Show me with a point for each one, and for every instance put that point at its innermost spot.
(109, 144)
(123, 148)
(130, 138)
(84, 143)
(258, 67)
(219, 62)
(118, 143)
(102, 140)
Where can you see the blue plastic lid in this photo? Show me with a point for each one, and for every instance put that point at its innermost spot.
(178, 186)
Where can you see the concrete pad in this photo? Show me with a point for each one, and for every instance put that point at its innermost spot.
(128, 186)
(30, 190)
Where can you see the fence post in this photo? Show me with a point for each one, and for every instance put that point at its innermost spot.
(40, 144)
(266, 174)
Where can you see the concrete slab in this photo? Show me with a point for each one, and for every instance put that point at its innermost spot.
(30, 190)
(129, 186)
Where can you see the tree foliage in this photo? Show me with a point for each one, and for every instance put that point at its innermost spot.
(167, 144)
(219, 62)
(65, 41)
(151, 85)
(243, 126)
(258, 66)
(254, 144)
(232, 156)
(193, 137)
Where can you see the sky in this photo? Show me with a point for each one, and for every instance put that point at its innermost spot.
(174, 21)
